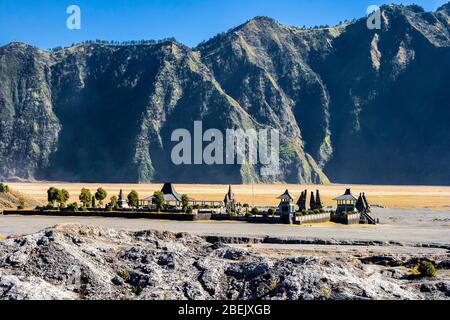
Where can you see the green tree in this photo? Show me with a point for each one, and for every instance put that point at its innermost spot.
(133, 199)
(184, 202)
(85, 197)
(101, 195)
(113, 202)
(62, 196)
(52, 195)
(158, 200)
(255, 211)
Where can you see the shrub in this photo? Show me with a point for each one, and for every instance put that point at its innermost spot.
(50, 206)
(21, 205)
(271, 212)
(317, 211)
(137, 290)
(124, 275)
(189, 210)
(425, 269)
(72, 207)
(255, 211)
(310, 212)
(4, 188)
(196, 207)
(113, 202)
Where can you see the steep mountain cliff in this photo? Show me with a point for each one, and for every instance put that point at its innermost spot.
(351, 104)
(390, 98)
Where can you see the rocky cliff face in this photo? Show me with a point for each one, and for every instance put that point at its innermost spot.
(351, 104)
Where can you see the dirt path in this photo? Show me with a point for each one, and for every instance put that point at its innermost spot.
(405, 226)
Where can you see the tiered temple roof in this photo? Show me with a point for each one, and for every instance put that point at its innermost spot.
(347, 196)
(286, 196)
(170, 194)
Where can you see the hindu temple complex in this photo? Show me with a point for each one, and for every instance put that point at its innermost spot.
(349, 208)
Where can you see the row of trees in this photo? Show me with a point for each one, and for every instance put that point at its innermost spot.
(59, 197)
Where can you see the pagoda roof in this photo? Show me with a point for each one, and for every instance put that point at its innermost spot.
(347, 196)
(170, 194)
(286, 195)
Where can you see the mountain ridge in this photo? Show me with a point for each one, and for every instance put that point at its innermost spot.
(98, 112)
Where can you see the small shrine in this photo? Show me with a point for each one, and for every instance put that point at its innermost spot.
(230, 201)
(286, 207)
(121, 202)
(346, 203)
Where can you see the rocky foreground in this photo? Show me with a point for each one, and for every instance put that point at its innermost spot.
(79, 262)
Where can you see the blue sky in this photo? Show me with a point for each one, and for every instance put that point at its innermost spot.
(43, 23)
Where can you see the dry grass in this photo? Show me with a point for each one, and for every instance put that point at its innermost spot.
(14, 198)
(389, 196)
